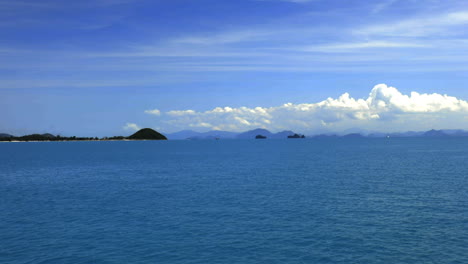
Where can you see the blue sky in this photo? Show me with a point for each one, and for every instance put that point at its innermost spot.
(108, 67)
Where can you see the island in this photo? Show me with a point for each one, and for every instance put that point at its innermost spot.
(296, 136)
(147, 134)
(260, 137)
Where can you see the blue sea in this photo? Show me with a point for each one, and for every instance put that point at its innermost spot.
(396, 200)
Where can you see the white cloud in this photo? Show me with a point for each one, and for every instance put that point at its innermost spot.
(383, 98)
(131, 126)
(385, 109)
(202, 124)
(155, 112)
(181, 112)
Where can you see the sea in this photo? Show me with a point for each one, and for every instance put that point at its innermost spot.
(337, 200)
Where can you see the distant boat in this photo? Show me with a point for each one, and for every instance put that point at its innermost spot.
(296, 136)
(260, 137)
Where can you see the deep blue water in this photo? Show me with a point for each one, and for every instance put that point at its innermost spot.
(235, 201)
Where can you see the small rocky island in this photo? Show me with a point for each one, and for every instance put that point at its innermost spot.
(260, 137)
(147, 134)
(296, 136)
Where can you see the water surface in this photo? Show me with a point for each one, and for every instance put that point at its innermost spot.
(235, 201)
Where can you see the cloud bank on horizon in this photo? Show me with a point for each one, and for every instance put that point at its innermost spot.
(385, 109)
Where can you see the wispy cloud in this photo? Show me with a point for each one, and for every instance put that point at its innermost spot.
(155, 112)
(226, 37)
(15, 4)
(419, 27)
(10, 4)
(147, 52)
(351, 47)
(381, 6)
(33, 14)
(291, 1)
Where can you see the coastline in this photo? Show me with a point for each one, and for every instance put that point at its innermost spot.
(26, 141)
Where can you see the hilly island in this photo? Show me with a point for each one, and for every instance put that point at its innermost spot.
(142, 134)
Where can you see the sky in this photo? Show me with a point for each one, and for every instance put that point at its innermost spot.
(110, 67)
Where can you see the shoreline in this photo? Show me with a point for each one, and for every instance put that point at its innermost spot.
(26, 141)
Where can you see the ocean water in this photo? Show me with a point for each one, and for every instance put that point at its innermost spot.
(235, 201)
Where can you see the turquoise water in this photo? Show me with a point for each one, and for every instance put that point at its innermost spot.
(235, 201)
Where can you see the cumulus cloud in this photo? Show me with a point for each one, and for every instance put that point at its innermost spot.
(385, 109)
(131, 126)
(153, 112)
(384, 99)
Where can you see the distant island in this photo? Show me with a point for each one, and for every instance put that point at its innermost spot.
(218, 134)
(142, 134)
(252, 134)
(260, 137)
(296, 136)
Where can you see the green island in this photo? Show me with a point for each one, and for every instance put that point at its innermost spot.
(142, 134)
